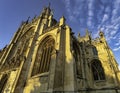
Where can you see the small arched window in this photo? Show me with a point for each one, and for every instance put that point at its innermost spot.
(43, 57)
(97, 70)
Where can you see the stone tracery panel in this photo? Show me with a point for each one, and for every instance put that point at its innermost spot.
(18, 52)
(43, 57)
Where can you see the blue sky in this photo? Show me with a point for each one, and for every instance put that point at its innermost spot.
(79, 14)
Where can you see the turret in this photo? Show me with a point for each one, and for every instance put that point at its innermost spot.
(62, 21)
(46, 15)
(46, 12)
(46, 19)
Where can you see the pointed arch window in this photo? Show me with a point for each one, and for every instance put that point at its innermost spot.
(97, 70)
(43, 57)
(76, 55)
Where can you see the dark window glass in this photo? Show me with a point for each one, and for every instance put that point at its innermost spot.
(95, 52)
(76, 55)
(98, 71)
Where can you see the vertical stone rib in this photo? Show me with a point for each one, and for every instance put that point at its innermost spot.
(45, 59)
(42, 61)
(3, 82)
(48, 59)
(59, 73)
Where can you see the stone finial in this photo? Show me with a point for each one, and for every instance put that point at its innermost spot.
(28, 20)
(79, 34)
(87, 32)
(101, 34)
(62, 20)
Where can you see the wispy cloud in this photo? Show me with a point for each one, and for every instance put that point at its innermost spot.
(90, 12)
(68, 9)
(105, 17)
(118, 43)
(116, 49)
(95, 15)
(67, 5)
(115, 10)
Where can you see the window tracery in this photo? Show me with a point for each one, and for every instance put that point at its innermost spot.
(97, 70)
(43, 57)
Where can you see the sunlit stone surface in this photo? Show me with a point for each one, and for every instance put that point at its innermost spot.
(45, 56)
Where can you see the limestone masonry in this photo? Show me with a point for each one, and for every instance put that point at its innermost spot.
(44, 56)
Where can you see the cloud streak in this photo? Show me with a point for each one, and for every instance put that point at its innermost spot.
(116, 49)
(95, 15)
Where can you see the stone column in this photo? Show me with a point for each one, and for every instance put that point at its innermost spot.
(69, 69)
(60, 60)
(52, 71)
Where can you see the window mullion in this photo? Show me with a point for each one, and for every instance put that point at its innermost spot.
(45, 59)
(49, 56)
(42, 61)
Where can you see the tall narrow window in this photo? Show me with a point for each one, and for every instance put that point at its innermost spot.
(77, 59)
(98, 71)
(3, 82)
(43, 57)
(95, 52)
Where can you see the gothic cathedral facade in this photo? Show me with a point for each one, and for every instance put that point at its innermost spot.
(45, 56)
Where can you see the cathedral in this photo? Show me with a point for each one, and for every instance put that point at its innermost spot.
(44, 56)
